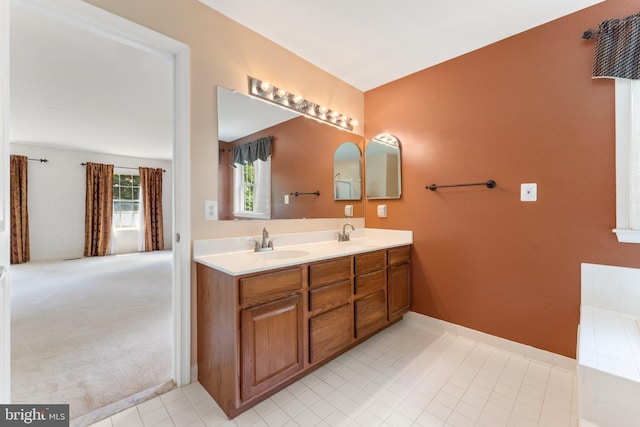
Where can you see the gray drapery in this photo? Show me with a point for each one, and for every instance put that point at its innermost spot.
(260, 149)
(617, 51)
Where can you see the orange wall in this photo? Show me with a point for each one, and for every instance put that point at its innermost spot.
(302, 161)
(521, 110)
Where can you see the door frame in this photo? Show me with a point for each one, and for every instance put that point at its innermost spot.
(117, 28)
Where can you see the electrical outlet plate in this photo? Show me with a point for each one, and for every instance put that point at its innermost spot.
(210, 210)
(529, 192)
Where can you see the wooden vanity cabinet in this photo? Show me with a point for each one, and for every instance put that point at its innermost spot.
(259, 332)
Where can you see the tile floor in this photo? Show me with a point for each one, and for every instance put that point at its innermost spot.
(407, 375)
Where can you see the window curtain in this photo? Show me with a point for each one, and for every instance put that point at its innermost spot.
(617, 53)
(99, 209)
(151, 190)
(260, 149)
(19, 216)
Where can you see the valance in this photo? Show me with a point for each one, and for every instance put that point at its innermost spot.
(260, 149)
(617, 51)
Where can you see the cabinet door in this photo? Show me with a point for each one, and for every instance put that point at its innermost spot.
(330, 332)
(398, 290)
(370, 313)
(271, 344)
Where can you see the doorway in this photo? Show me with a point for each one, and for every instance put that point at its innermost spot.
(115, 28)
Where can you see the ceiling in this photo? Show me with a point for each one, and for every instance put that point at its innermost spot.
(234, 108)
(368, 43)
(73, 88)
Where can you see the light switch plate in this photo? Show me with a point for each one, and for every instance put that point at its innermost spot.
(529, 192)
(382, 211)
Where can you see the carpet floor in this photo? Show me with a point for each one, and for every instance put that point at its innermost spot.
(92, 331)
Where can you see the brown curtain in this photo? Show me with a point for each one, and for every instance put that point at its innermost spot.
(99, 209)
(151, 188)
(19, 216)
(617, 51)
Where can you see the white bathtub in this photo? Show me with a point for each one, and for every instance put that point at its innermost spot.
(609, 347)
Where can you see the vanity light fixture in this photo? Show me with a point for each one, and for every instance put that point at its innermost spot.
(265, 90)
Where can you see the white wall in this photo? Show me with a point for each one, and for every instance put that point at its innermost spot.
(56, 198)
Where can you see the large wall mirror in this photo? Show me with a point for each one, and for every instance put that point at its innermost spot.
(302, 159)
(383, 167)
(347, 172)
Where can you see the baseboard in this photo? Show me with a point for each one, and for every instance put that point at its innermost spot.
(194, 373)
(527, 351)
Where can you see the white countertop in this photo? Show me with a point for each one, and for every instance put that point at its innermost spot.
(235, 256)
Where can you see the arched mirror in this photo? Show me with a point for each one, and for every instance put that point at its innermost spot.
(382, 164)
(347, 178)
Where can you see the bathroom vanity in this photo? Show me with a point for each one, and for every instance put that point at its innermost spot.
(267, 319)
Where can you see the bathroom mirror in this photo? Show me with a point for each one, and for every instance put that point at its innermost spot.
(302, 158)
(347, 177)
(382, 165)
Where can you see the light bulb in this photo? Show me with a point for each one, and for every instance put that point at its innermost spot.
(354, 122)
(281, 93)
(323, 110)
(265, 86)
(298, 99)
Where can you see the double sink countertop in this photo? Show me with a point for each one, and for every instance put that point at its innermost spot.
(235, 256)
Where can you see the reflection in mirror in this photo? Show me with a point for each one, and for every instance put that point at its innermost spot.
(347, 181)
(301, 158)
(382, 164)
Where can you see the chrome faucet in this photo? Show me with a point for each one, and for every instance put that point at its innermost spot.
(344, 236)
(266, 244)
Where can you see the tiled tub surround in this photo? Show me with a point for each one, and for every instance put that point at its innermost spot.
(235, 255)
(609, 346)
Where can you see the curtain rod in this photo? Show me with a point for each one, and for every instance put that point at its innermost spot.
(121, 167)
(39, 160)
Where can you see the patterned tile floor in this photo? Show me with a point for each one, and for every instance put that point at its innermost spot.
(407, 375)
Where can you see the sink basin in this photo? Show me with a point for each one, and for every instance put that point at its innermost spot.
(282, 254)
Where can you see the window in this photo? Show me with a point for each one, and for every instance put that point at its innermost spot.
(627, 161)
(252, 189)
(126, 201)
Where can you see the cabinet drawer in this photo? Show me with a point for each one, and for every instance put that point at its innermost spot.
(329, 272)
(321, 299)
(371, 261)
(330, 332)
(270, 286)
(399, 255)
(369, 283)
(370, 313)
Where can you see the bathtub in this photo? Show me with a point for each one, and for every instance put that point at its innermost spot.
(608, 352)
